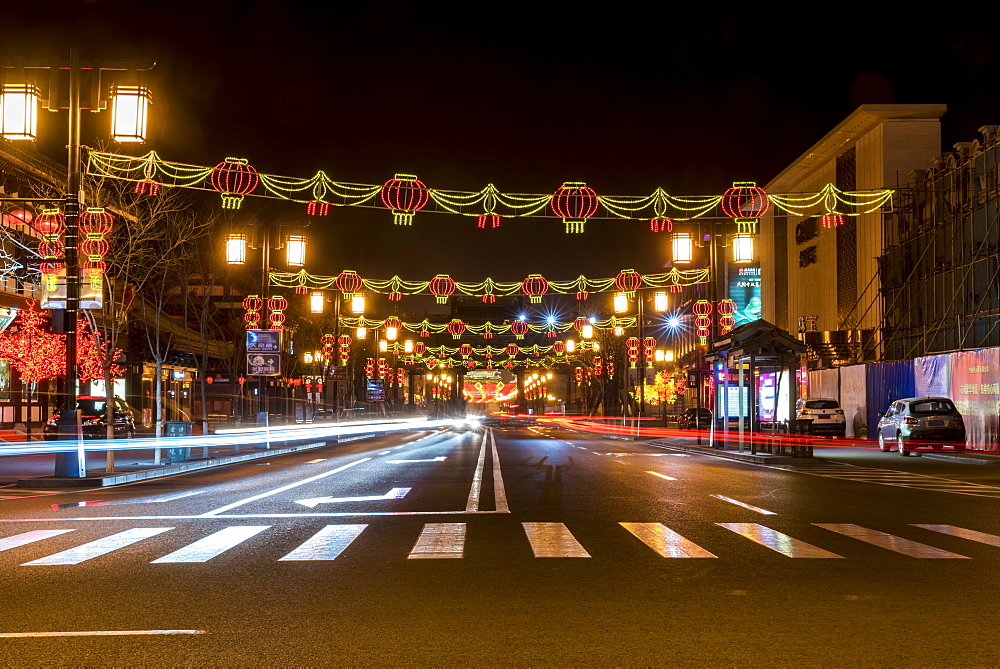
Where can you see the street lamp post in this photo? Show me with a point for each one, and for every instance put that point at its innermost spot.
(128, 125)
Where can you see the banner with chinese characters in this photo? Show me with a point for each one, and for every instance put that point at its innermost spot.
(975, 389)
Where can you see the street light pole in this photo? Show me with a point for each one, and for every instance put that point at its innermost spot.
(72, 464)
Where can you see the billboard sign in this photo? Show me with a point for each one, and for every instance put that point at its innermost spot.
(744, 290)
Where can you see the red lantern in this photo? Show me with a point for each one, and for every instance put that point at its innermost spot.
(442, 287)
(558, 347)
(349, 282)
(395, 296)
(344, 340)
(703, 321)
(276, 305)
(534, 287)
(582, 295)
(51, 249)
(316, 208)
(470, 365)
(512, 349)
(726, 320)
(627, 281)
(456, 328)
(301, 290)
(661, 225)
(580, 322)
(392, 322)
(489, 298)
(51, 222)
(745, 200)
(146, 187)
(465, 350)
(488, 221)
(96, 222)
(519, 328)
(574, 203)
(420, 348)
(234, 178)
(832, 220)
(404, 194)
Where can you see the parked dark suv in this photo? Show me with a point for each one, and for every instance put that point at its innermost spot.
(94, 418)
(916, 421)
(695, 418)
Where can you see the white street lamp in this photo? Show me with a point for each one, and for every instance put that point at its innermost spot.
(129, 109)
(19, 112)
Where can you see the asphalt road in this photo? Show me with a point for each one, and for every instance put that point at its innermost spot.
(525, 546)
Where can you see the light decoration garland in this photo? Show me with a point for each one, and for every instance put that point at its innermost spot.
(51, 223)
(443, 286)
(426, 328)
(95, 223)
(320, 190)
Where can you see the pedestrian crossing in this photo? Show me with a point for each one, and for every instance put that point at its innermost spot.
(543, 539)
(892, 477)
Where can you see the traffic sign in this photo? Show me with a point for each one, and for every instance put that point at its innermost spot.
(338, 374)
(263, 364)
(263, 341)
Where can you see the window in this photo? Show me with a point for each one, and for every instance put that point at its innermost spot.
(935, 406)
(822, 404)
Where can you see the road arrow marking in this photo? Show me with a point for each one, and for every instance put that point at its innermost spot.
(399, 462)
(395, 493)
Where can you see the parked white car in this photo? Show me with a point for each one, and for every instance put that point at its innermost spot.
(820, 415)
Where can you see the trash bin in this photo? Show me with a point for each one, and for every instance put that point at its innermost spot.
(178, 428)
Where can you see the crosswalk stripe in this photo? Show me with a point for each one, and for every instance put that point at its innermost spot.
(99, 547)
(553, 540)
(665, 541)
(326, 544)
(440, 540)
(971, 535)
(778, 542)
(213, 545)
(888, 541)
(28, 537)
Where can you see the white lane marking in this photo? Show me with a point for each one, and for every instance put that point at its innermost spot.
(227, 507)
(100, 547)
(213, 545)
(778, 542)
(326, 544)
(439, 540)
(665, 541)
(553, 540)
(170, 498)
(889, 542)
(971, 535)
(662, 476)
(394, 493)
(477, 480)
(24, 635)
(499, 493)
(28, 537)
(619, 462)
(385, 452)
(312, 462)
(440, 458)
(745, 505)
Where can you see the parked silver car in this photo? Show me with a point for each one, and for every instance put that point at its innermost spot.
(917, 421)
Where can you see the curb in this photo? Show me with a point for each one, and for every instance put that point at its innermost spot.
(757, 458)
(960, 457)
(51, 482)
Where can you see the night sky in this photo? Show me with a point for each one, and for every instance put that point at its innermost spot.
(626, 97)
